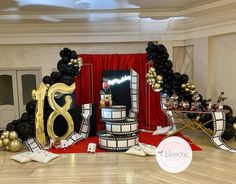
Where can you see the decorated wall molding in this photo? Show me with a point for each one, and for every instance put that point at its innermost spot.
(122, 25)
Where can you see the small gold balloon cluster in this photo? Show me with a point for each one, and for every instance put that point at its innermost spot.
(76, 62)
(188, 87)
(153, 79)
(10, 142)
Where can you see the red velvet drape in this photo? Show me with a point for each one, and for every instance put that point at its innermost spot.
(97, 63)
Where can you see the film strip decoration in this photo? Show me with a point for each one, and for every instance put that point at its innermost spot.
(117, 143)
(169, 114)
(74, 138)
(114, 113)
(219, 123)
(129, 126)
(134, 89)
(33, 145)
(84, 128)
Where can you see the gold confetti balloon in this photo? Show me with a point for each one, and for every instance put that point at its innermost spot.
(13, 135)
(1, 143)
(15, 145)
(6, 141)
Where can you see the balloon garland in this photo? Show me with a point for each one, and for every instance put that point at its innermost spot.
(68, 68)
(161, 77)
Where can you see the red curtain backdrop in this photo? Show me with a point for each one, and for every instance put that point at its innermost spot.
(89, 84)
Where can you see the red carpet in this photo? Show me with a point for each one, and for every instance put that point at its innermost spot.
(81, 147)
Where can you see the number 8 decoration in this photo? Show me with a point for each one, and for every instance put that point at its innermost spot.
(60, 110)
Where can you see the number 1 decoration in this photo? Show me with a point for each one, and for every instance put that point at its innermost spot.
(39, 96)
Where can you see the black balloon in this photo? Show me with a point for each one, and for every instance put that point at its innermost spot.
(207, 118)
(184, 78)
(191, 115)
(24, 116)
(11, 127)
(177, 76)
(73, 55)
(65, 60)
(228, 133)
(168, 65)
(47, 80)
(229, 110)
(230, 119)
(25, 130)
(68, 80)
(30, 106)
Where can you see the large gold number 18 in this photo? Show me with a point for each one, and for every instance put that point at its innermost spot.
(39, 95)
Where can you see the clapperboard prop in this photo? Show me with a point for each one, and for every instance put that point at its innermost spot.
(219, 128)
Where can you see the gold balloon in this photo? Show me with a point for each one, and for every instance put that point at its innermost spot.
(39, 95)
(150, 75)
(198, 118)
(147, 75)
(154, 74)
(188, 84)
(15, 145)
(192, 92)
(7, 148)
(80, 61)
(234, 125)
(156, 86)
(58, 110)
(6, 141)
(183, 86)
(153, 80)
(13, 135)
(152, 69)
(2, 136)
(5, 133)
(187, 89)
(149, 81)
(159, 77)
(192, 87)
(1, 143)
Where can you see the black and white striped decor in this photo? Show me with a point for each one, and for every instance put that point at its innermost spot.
(33, 145)
(84, 128)
(219, 128)
(117, 143)
(134, 92)
(129, 126)
(114, 113)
